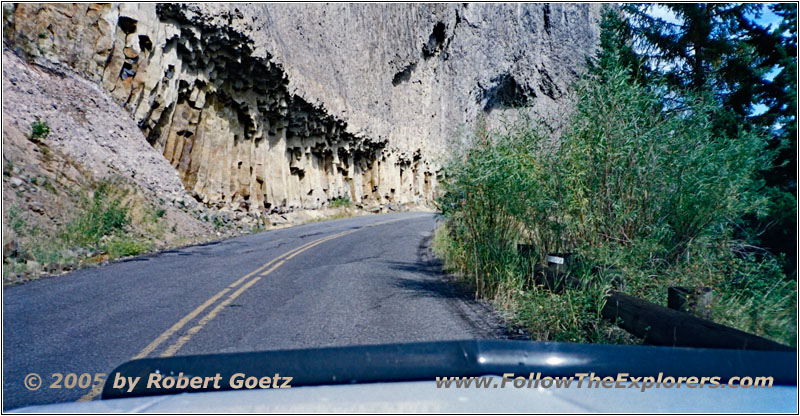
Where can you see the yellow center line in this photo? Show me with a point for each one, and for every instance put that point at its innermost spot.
(178, 325)
(275, 263)
(96, 390)
(211, 315)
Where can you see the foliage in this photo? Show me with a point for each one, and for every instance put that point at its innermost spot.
(780, 97)
(759, 299)
(124, 246)
(631, 172)
(651, 191)
(341, 202)
(707, 49)
(721, 49)
(218, 222)
(572, 316)
(39, 129)
(106, 219)
(103, 215)
(15, 220)
(616, 45)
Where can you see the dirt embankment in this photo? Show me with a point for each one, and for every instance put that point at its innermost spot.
(70, 152)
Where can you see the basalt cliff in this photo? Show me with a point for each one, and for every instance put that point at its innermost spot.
(263, 109)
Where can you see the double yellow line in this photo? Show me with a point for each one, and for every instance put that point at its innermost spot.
(254, 277)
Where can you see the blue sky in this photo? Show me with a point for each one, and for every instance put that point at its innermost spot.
(766, 18)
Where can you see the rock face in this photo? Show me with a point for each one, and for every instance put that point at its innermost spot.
(270, 108)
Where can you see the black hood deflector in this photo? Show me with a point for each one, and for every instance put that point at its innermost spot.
(426, 361)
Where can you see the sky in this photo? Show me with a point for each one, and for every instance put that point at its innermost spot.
(767, 17)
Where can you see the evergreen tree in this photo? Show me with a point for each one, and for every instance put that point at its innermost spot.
(709, 49)
(780, 95)
(616, 46)
(721, 49)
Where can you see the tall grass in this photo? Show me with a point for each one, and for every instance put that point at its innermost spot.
(651, 193)
(103, 214)
(109, 221)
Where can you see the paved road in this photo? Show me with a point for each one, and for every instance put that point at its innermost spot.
(362, 280)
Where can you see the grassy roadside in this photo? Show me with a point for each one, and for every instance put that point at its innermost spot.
(109, 220)
(572, 316)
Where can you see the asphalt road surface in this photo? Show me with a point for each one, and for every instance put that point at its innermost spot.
(355, 281)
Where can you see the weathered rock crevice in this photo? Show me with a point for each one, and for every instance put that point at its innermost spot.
(436, 41)
(505, 92)
(404, 75)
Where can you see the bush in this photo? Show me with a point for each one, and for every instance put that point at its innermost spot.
(572, 316)
(111, 219)
(123, 246)
(103, 215)
(341, 202)
(630, 171)
(39, 129)
(651, 191)
(15, 220)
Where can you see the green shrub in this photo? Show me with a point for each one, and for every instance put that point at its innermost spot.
(484, 187)
(630, 171)
(39, 129)
(103, 214)
(633, 185)
(758, 299)
(15, 220)
(341, 202)
(123, 246)
(111, 220)
(218, 223)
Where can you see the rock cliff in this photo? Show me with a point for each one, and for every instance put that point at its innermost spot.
(267, 108)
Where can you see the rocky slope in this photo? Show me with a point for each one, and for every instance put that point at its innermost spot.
(84, 141)
(264, 109)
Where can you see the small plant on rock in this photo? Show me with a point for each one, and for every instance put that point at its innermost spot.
(341, 202)
(39, 130)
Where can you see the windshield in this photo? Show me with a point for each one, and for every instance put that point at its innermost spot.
(344, 191)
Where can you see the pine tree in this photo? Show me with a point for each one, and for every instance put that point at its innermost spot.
(780, 95)
(707, 50)
(719, 48)
(616, 47)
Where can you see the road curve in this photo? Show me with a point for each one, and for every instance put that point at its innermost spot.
(361, 280)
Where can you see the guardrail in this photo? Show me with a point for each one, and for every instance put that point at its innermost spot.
(655, 324)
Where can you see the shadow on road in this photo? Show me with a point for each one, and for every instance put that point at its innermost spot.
(431, 282)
